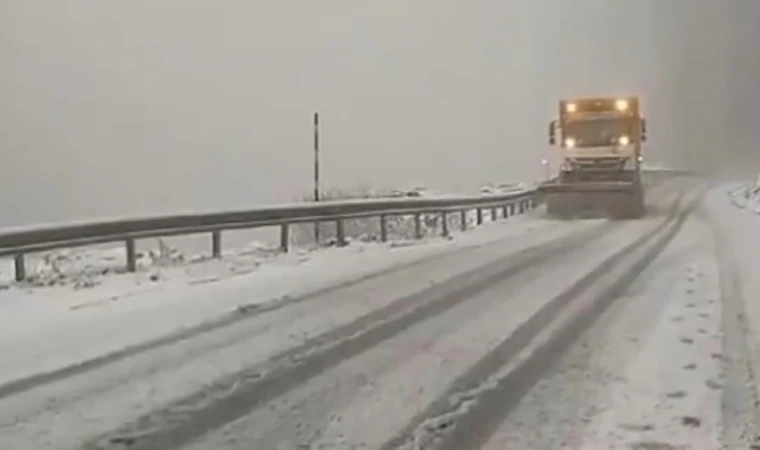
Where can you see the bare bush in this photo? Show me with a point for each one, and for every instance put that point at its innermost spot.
(368, 229)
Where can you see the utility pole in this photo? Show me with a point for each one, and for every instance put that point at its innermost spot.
(316, 172)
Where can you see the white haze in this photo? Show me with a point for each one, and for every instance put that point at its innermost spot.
(150, 106)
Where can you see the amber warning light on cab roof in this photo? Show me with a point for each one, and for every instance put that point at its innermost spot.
(621, 105)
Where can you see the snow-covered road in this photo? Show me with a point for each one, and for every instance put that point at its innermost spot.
(647, 375)
(586, 334)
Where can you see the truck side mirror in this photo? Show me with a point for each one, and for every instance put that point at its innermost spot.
(552, 132)
(643, 130)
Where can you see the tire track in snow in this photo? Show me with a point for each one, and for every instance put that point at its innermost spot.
(117, 370)
(242, 313)
(370, 397)
(364, 400)
(481, 398)
(630, 378)
(235, 396)
(117, 394)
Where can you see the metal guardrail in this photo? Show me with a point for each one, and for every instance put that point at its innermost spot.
(21, 242)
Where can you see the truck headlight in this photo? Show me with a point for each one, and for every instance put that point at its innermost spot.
(621, 105)
(571, 107)
(624, 140)
(570, 142)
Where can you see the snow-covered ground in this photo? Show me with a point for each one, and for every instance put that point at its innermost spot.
(674, 363)
(88, 308)
(669, 365)
(371, 397)
(736, 231)
(648, 374)
(47, 340)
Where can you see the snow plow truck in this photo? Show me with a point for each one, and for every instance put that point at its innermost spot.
(599, 142)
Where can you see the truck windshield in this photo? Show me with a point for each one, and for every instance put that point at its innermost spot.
(597, 131)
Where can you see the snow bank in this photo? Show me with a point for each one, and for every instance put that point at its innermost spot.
(739, 245)
(746, 195)
(82, 268)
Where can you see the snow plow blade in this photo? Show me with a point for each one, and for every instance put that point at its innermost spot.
(613, 200)
(605, 186)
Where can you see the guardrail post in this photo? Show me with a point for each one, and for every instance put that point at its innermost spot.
(479, 216)
(216, 244)
(494, 214)
(285, 237)
(444, 224)
(463, 220)
(340, 233)
(512, 209)
(505, 211)
(417, 226)
(19, 266)
(383, 228)
(131, 255)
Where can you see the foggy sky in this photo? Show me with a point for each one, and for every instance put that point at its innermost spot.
(151, 106)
